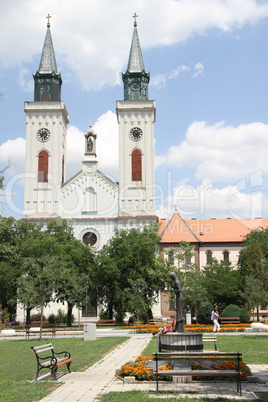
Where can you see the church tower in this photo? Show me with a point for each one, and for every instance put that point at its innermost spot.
(136, 117)
(46, 130)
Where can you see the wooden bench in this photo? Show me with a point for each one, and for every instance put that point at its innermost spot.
(51, 361)
(34, 328)
(211, 338)
(230, 320)
(102, 323)
(155, 322)
(199, 356)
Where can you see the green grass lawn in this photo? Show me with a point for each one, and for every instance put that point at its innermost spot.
(139, 396)
(18, 364)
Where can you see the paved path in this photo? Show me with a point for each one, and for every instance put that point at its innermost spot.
(98, 379)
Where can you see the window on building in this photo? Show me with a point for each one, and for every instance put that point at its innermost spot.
(188, 260)
(226, 255)
(43, 167)
(136, 165)
(209, 257)
(172, 303)
(171, 257)
(62, 170)
(89, 239)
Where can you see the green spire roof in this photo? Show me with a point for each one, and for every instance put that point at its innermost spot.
(135, 61)
(48, 60)
(47, 80)
(136, 79)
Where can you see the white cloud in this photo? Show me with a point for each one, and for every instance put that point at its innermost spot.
(207, 201)
(198, 70)
(27, 86)
(95, 36)
(107, 146)
(222, 153)
(13, 152)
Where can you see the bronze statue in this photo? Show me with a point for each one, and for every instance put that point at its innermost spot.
(179, 327)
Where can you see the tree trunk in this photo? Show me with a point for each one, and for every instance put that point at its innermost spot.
(110, 311)
(28, 315)
(69, 315)
(41, 319)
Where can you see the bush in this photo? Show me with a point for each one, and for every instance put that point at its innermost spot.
(231, 311)
(37, 317)
(244, 316)
(51, 319)
(204, 313)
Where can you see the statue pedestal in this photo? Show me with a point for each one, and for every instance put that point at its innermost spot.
(180, 342)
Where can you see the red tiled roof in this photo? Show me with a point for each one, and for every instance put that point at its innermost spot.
(209, 230)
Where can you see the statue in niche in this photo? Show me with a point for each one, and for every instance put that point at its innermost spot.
(89, 144)
(176, 286)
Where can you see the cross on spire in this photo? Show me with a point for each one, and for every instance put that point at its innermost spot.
(135, 21)
(48, 17)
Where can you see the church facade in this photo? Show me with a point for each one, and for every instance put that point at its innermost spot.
(93, 203)
(90, 201)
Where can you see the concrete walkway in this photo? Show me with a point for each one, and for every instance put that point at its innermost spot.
(100, 379)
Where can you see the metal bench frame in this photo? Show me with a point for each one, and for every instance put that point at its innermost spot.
(199, 356)
(52, 360)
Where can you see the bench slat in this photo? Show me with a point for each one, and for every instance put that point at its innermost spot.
(196, 373)
(42, 346)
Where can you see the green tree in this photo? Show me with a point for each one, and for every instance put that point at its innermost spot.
(12, 236)
(253, 261)
(192, 279)
(130, 256)
(36, 285)
(255, 293)
(77, 266)
(222, 283)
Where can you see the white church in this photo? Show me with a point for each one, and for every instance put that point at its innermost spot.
(90, 201)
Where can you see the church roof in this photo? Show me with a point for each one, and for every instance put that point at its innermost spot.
(208, 230)
(135, 60)
(48, 60)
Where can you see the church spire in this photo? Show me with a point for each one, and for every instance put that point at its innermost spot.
(47, 79)
(136, 79)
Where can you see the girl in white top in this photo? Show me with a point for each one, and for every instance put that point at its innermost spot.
(215, 317)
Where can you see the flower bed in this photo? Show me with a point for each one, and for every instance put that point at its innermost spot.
(153, 329)
(140, 370)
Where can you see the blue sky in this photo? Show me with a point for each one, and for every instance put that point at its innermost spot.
(208, 62)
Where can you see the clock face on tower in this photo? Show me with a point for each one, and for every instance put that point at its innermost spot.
(136, 133)
(43, 134)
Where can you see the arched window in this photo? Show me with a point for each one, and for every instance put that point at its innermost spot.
(62, 170)
(209, 257)
(90, 203)
(226, 255)
(171, 257)
(136, 165)
(43, 167)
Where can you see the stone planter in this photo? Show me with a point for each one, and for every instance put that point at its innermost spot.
(180, 342)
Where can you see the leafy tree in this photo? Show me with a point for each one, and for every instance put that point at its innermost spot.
(136, 297)
(222, 283)
(37, 284)
(78, 262)
(253, 262)
(255, 293)
(129, 258)
(12, 236)
(192, 279)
